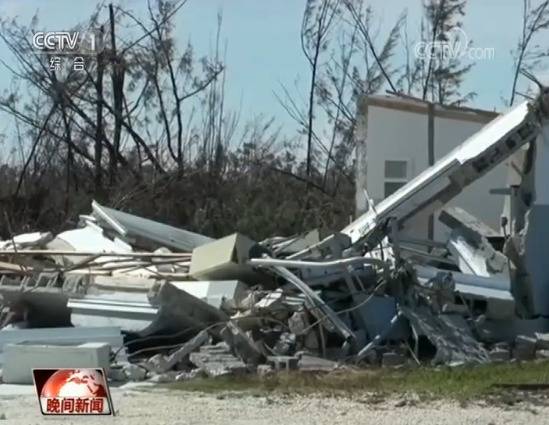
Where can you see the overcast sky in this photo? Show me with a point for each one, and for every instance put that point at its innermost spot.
(264, 48)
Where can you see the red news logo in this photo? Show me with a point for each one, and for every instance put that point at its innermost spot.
(73, 392)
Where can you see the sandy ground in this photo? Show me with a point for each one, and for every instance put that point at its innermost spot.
(153, 405)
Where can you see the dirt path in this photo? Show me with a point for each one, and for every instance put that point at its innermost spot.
(159, 406)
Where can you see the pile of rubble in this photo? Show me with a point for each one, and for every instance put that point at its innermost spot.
(169, 304)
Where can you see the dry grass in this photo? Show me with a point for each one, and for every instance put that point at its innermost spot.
(458, 383)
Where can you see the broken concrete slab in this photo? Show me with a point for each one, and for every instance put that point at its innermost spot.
(177, 310)
(186, 349)
(241, 344)
(20, 359)
(309, 363)
(157, 363)
(455, 217)
(134, 372)
(129, 310)
(214, 365)
(160, 363)
(117, 374)
(62, 336)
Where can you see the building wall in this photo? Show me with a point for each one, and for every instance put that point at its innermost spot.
(402, 135)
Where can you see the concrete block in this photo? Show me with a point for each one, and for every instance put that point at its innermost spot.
(63, 336)
(283, 362)
(225, 259)
(20, 359)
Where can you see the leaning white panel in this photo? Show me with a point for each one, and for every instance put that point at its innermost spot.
(447, 177)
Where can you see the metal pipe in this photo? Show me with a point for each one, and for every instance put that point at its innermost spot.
(316, 264)
(5, 252)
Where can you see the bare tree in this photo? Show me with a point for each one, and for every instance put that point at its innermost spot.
(444, 73)
(315, 28)
(535, 20)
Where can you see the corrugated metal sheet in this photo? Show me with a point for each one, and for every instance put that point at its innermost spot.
(128, 225)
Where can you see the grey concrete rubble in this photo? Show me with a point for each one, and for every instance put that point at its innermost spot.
(310, 363)
(166, 304)
(160, 363)
(525, 348)
(286, 363)
(500, 355)
(542, 340)
(392, 359)
(218, 364)
(134, 372)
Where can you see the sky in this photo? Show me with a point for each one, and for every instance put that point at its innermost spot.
(264, 46)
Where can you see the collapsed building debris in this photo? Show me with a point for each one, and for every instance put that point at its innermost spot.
(187, 304)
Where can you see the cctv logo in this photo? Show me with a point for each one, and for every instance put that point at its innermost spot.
(60, 42)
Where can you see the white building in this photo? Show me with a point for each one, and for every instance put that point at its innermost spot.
(398, 138)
